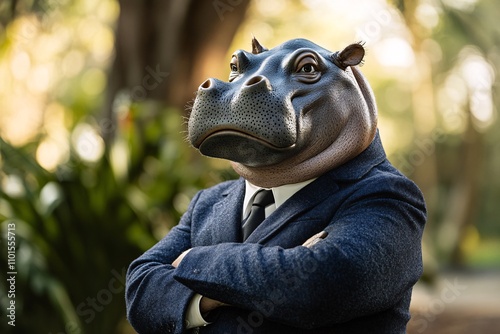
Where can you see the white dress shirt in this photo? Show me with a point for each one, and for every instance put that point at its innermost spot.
(281, 194)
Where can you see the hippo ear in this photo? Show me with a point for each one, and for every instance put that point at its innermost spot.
(256, 47)
(352, 55)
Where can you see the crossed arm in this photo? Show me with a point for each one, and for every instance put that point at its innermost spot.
(209, 304)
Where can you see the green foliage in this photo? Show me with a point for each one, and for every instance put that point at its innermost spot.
(79, 227)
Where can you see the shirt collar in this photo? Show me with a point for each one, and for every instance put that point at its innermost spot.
(281, 193)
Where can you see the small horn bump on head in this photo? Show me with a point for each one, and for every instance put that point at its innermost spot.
(257, 47)
(352, 55)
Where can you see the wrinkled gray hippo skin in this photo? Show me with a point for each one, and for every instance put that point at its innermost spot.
(286, 115)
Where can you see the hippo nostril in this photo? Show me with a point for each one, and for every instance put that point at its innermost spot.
(206, 85)
(254, 80)
(259, 82)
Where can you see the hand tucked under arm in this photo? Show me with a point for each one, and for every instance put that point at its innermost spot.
(178, 260)
(206, 304)
(315, 239)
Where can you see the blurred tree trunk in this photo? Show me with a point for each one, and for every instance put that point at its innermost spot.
(463, 201)
(423, 102)
(165, 49)
(424, 120)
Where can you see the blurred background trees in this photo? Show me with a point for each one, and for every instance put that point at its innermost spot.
(94, 167)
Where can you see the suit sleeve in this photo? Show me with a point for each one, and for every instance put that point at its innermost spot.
(370, 259)
(156, 302)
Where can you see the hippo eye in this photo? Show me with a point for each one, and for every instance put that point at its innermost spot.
(234, 69)
(234, 64)
(306, 64)
(308, 68)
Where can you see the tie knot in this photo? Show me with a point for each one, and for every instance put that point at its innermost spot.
(263, 198)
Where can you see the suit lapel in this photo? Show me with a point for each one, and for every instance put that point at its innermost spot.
(226, 219)
(303, 201)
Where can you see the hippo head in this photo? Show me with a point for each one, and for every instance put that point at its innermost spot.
(286, 115)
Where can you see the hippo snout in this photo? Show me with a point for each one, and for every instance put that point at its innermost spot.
(246, 122)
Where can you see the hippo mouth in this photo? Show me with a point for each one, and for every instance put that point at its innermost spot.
(235, 132)
(242, 147)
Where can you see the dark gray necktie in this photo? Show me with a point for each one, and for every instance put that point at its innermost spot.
(262, 199)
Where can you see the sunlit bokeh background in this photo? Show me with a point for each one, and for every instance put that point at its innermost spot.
(93, 175)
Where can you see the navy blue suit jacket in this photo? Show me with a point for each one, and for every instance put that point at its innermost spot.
(357, 280)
